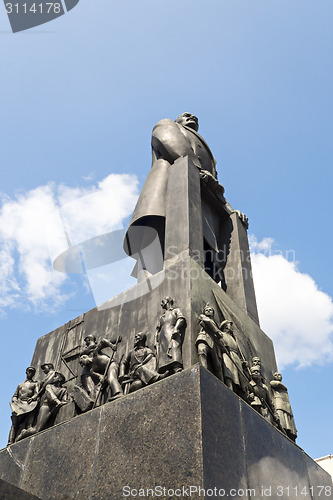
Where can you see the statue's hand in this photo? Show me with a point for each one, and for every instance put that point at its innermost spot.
(211, 182)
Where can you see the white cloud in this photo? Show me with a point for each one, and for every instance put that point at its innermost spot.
(292, 310)
(26, 274)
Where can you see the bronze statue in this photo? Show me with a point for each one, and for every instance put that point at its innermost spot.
(170, 141)
(256, 361)
(86, 378)
(23, 411)
(259, 397)
(51, 398)
(233, 361)
(209, 343)
(100, 373)
(169, 338)
(282, 405)
(139, 367)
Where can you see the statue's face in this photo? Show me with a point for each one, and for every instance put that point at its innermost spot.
(46, 368)
(165, 303)
(228, 327)
(188, 120)
(256, 361)
(30, 373)
(89, 340)
(84, 360)
(137, 339)
(255, 374)
(209, 311)
(278, 376)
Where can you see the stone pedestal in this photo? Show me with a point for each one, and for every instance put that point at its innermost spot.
(187, 431)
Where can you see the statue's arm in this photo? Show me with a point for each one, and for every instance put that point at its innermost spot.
(36, 389)
(16, 395)
(124, 366)
(157, 334)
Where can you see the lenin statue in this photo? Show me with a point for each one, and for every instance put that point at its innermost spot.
(170, 141)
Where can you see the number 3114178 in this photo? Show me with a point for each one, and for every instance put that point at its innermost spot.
(35, 8)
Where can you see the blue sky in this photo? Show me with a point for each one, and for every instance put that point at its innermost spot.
(79, 97)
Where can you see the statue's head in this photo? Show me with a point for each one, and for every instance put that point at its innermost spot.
(208, 310)
(188, 120)
(59, 378)
(167, 302)
(90, 339)
(84, 360)
(256, 361)
(30, 371)
(226, 326)
(140, 338)
(46, 367)
(277, 376)
(256, 374)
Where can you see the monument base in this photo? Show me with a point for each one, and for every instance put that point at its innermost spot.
(186, 436)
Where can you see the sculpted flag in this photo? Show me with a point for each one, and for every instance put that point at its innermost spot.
(25, 14)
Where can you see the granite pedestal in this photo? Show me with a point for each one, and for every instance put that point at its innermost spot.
(184, 433)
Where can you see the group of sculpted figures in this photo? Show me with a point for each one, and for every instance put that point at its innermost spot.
(35, 404)
(219, 352)
(102, 379)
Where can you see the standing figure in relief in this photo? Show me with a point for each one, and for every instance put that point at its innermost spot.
(282, 405)
(259, 397)
(52, 397)
(22, 411)
(233, 361)
(209, 344)
(169, 338)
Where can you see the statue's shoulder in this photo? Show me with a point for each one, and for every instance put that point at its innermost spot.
(166, 122)
(165, 128)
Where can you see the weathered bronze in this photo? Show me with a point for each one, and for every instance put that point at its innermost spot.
(234, 363)
(282, 405)
(171, 140)
(100, 373)
(169, 337)
(23, 411)
(260, 399)
(209, 343)
(51, 396)
(139, 367)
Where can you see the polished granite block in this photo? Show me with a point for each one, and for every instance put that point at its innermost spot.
(274, 462)
(222, 441)
(10, 492)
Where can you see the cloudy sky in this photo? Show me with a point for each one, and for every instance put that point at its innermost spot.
(79, 98)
